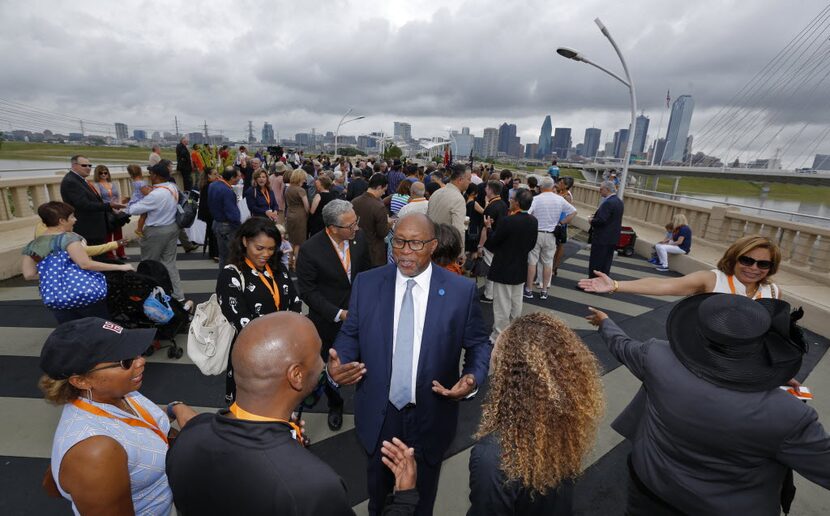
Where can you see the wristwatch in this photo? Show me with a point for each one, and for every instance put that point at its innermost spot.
(170, 409)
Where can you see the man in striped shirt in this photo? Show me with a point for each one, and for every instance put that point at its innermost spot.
(550, 210)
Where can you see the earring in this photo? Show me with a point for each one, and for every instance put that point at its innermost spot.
(89, 394)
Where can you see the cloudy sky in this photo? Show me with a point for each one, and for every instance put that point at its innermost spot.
(437, 65)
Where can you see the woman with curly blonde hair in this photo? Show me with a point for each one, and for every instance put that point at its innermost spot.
(538, 422)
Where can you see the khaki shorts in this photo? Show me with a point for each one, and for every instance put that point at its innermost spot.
(544, 250)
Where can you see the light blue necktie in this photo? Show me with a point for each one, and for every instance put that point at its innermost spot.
(400, 392)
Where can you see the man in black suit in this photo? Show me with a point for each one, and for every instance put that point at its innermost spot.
(605, 230)
(90, 209)
(510, 244)
(327, 264)
(183, 164)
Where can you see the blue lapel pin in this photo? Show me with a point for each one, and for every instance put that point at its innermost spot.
(441, 292)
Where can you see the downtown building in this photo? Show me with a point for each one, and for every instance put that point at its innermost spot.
(543, 150)
(490, 142)
(268, 134)
(402, 132)
(640, 133)
(121, 132)
(591, 142)
(561, 143)
(678, 131)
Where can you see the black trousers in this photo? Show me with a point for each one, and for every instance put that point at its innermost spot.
(642, 501)
(600, 260)
(402, 424)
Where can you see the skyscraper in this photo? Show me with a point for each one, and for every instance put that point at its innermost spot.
(463, 142)
(640, 132)
(478, 147)
(491, 142)
(592, 136)
(121, 132)
(402, 131)
(507, 132)
(678, 131)
(544, 139)
(620, 141)
(268, 134)
(561, 142)
(139, 134)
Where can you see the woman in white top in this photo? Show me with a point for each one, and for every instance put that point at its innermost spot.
(746, 269)
(108, 455)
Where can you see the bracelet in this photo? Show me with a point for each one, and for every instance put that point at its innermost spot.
(616, 286)
(170, 406)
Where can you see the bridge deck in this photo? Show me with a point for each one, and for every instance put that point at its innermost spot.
(27, 428)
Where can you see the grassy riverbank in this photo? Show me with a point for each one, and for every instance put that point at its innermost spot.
(736, 188)
(58, 152)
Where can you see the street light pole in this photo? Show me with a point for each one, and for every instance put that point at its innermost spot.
(337, 131)
(576, 56)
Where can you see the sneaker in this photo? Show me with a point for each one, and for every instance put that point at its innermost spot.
(528, 294)
(543, 294)
(485, 299)
(660, 268)
(653, 261)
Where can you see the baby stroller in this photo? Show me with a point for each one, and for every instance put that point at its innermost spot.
(126, 297)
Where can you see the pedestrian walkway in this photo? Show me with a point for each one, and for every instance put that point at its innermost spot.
(27, 428)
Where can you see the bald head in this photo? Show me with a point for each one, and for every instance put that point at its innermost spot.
(277, 355)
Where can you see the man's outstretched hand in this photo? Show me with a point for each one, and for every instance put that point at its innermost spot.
(465, 385)
(400, 459)
(344, 374)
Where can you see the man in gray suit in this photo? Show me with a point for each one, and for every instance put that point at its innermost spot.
(716, 435)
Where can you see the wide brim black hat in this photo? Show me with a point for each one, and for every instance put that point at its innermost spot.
(735, 342)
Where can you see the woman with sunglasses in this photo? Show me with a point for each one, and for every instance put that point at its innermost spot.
(108, 454)
(110, 194)
(745, 269)
(254, 282)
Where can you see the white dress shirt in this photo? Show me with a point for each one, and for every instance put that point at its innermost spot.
(548, 207)
(420, 296)
(159, 205)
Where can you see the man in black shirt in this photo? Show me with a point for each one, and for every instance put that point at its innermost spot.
(183, 164)
(250, 459)
(494, 209)
(510, 245)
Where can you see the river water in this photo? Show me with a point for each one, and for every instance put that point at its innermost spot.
(14, 168)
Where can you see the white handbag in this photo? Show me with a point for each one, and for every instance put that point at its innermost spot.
(210, 336)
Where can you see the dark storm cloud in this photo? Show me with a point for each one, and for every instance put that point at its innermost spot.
(473, 63)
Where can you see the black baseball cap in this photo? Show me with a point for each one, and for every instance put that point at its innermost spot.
(75, 347)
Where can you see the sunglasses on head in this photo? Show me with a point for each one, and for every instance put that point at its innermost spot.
(746, 261)
(125, 364)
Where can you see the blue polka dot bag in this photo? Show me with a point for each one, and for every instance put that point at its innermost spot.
(64, 285)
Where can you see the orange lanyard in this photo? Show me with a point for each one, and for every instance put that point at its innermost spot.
(175, 195)
(92, 187)
(243, 414)
(273, 288)
(145, 419)
(107, 187)
(267, 197)
(731, 281)
(345, 258)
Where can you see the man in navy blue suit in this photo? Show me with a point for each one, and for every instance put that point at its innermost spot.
(606, 224)
(401, 344)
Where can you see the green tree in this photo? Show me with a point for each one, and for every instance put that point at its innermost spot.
(392, 151)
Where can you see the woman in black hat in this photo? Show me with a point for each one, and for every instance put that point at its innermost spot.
(716, 434)
(110, 444)
(746, 268)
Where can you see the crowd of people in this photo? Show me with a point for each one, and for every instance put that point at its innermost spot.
(387, 258)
